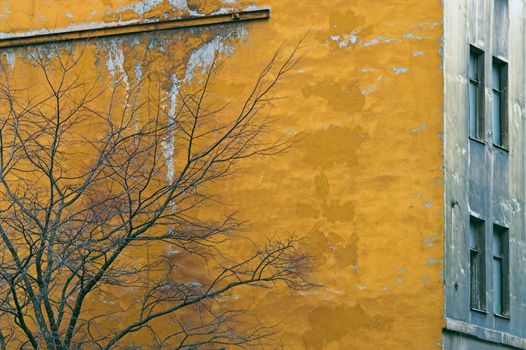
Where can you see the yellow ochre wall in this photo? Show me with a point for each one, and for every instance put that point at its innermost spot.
(364, 185)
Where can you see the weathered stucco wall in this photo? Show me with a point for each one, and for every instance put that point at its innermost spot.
(364, 183)
(487, 181)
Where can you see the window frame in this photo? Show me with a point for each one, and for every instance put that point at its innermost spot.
(477, 286)
(479, 84)
(504, 262)
(502, 92)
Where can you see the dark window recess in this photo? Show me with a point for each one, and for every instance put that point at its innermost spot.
(501, 268)
(476, 93)
(477, 268)
(499, 84)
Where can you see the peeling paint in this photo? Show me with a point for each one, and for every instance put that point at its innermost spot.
(345, 40)
(203, 56)
(115, 62)
(182, 4)
(379, 40)
(10, 58)
(420, 128)
(69, 28)
(400, 70)
(173, 251)
(373, 88)
(335, 168)
(169, 146)
(141, 7)
(413, 36)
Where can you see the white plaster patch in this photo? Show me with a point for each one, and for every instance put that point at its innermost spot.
(194, 284)
(10, 58)
(369, 90)
(418, 53)
(224, 10)
(169, 145)
(203, 56)
(420, 128)
(291, 131)
(70, 28)
(413, 36)
(345, 40)
(115, 60)
(141, 7)
(379, 40)
(335, 291)
(69, 15)
(173, 251)
(400, 70)
(429, 25)
(254, 7)
(181, 4)
(138, 71)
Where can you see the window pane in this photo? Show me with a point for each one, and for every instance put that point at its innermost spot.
(497, 118)
(497, 286)
(474, 234)
(473, 63)
(475, 279)
(500, 268)
(473, 110)
(477, 265)
(497, 243)
(495, 77)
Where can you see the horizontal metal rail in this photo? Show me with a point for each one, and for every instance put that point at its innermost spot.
(200, 21)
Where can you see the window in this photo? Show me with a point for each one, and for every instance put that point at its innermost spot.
(499, 84)
(501, 288)
(476, 93)
(477, 269)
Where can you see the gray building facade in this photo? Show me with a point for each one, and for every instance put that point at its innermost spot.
(484, 164)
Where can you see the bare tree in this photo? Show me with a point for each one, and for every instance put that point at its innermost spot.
(84, 195)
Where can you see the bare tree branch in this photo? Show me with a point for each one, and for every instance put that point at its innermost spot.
(83, 188)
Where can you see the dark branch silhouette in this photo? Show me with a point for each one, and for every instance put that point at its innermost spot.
(83, 190)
